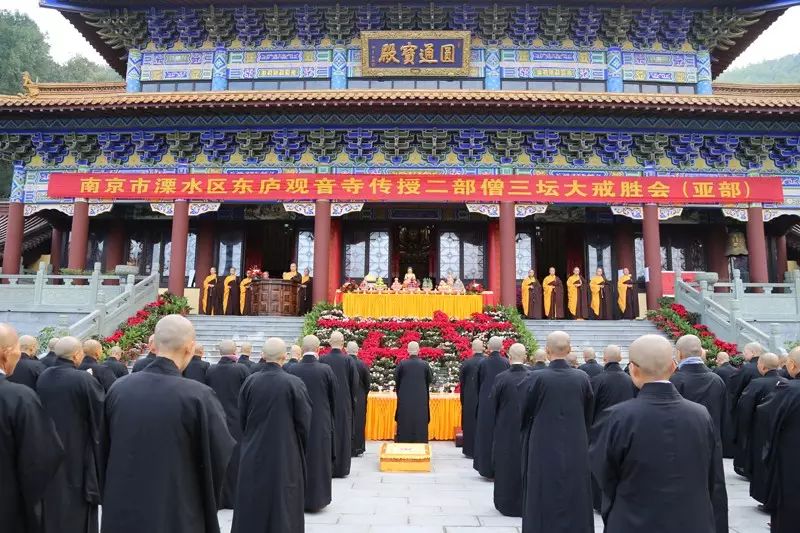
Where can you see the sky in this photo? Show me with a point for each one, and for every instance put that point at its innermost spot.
(779, 40)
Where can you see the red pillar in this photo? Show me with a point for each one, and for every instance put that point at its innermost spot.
(508, 255)
(180, 239)
(335, 261)
(322, 241)
(204, 255)
(716, 241)
(782, 258)
(55, 249)
(79, 236)
(12, 252)
(652, 254)
(115, 245)
(624, 253)
(494, 259)
(757, 245)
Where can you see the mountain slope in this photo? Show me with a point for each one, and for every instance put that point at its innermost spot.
(782, 70)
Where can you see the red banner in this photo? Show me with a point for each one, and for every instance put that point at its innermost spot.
(418, 188)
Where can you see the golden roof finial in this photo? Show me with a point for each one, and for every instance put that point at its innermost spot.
(31, 88)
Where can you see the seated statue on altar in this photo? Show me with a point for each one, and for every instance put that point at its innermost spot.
(368, 283)
(444, 287)
(450, 279)
(293, 274)
(396, 285)
(409, 277)
(458, 287)
(380, 285)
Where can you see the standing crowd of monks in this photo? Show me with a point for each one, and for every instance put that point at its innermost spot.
(164, 448)
(642, 446)
(593, 300)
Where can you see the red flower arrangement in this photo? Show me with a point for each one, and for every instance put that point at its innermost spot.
(140, 326)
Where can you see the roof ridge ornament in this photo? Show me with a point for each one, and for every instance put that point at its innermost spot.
(30, 87)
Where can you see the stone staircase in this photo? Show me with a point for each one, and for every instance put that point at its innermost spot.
(595, 333)
(253, 329)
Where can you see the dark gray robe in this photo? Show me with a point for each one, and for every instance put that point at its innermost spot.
(698, 384)
(468, 382)
(245, 360)
(591, 367)
(757, 391)
(539, 365)
(141, 363)
(226, 379)
(346, 376)
(736, 386)
(276, 422)
(30, 454)
(506, 457)
(104, 375)
(360, 413)
(197, 369)
(74, 401)
(726, 372)
(117, 367)
(166, 439)
(556, 484)
(413, 378)
(782, 462)
(487, 370)
(659, 464)
(321, 386)
(49, 359)
(27, 371)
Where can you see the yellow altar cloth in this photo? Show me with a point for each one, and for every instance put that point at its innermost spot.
(445, 416)
(417, 305)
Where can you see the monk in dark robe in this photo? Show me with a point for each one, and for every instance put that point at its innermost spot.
(726, 371)
(226, 379)
(590, 364)
(320, 383)
(557, 408)
(610, 387)
(148, 457)
(577, 296)
(627, 296)
(531, 295)
(362, 392)
(246, 294)
(346, 376)
(539, 360)
(552, 296)
(468, 394)
(295, 354)
(695, 382)
(92, 351)
(74, 400)
(208, 293)
(142, 363)
(113, 362)
(231, 302)
(488, 369)
(413, 378)
(656, 457)
(50, 359)
(738, 382)
(30, 449)
(781, 460)
(197, 368)
(600, 301)
(276, 427)
(751, 424)
(29, 368)
(506, 457)
(245, 351)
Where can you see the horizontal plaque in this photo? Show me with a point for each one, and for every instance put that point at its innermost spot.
(415, 53)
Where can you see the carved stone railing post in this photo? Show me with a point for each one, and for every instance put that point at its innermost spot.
(38, 285)
(794, 276)
(735, 313)
(775, 343)
(738, 285)
(94, 285)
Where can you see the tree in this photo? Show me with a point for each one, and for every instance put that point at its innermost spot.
(782, 70)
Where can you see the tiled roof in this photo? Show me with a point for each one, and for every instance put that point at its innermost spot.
(730, 99)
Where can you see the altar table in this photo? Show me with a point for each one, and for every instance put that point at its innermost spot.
(416, 305)
(445, 416)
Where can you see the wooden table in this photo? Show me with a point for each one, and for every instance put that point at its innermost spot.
(445, 416)
(275, 297)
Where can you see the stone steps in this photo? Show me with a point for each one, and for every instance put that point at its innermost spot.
(210, 330)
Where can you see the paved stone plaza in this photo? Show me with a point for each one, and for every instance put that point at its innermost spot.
(452, 498)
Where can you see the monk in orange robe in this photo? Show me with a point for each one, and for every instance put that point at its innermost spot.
(209, 294)
(531, 294)
(600, 307)
(627, 297)
(577, 302)
(553, 296)
(230, 295)
(293, 274)
(246, 294)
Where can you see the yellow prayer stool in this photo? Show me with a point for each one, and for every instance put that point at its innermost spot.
(405, 457)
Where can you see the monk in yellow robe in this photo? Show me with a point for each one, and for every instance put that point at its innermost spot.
(230, 295)
(628, 297)
(531, 293)
(208, 297)
(600, 297)
(306, 284)
(293, 274)
(576, 295)
(246, 294)
(553, 295)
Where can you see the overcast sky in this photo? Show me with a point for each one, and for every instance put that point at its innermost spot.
(779, 40)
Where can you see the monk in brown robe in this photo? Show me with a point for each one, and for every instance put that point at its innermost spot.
(553, 296)
(246, 294)
(628, 297)
(209, 293)
(600, 297)
(305, 291)
(531, 296)
(293, 274)
(230, 296)
(577, 301)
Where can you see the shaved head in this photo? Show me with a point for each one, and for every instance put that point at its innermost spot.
(612, 354)
(92, 348)
(274, 350)
(689, 346)
(52, 344)
(9, 348)
(589, 353)
(572, 359)
(495, 344)
(651, 359)
(337, 340)
(558, 345)
(540, 356)
(516, 353)
(174, 339)
(246, 348)
(70, 348)
(477, 346)
(722, 358)
(768, 361)
(227, 347)
(793, 362)
(295, 351)
(115, 352)
(352, 348)
(413, 348)
(311, 344)
(199, 350)
(28, 344)
(752, 349)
